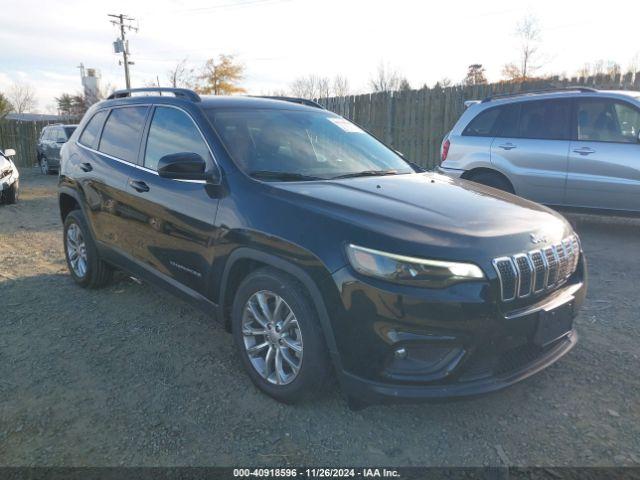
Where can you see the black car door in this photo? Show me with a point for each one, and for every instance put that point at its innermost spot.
(176, 217)
(109, 157)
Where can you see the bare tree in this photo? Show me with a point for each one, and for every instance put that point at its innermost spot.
(600, 67)
(22, 96)
(530, 61)
(341, 86)
(311, 86)
(386, 79)
(634, 63)
(181, 76)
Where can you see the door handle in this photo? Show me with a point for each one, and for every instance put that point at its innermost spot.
(507, 146)
(86, 167)
(139, 185)
(584, 150)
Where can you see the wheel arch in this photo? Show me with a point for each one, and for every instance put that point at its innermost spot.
(244, 260)
(469, 174)
(69, 200)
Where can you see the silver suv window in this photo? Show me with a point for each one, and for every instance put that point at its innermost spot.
(604, 120)
(543, 120)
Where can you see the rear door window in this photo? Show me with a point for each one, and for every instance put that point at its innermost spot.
(507, 122)
(91, 132)
(545, 120)
(122, 132)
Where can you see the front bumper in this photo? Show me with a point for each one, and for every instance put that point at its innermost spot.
(457, 342)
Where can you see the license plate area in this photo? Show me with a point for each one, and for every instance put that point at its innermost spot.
(553, 324)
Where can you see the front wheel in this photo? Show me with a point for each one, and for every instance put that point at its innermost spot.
(278, 336)
(85, 265)
(12, 194)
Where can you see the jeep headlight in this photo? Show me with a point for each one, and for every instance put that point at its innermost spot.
(417, 272)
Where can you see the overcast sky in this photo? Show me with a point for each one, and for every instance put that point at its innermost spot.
(42, 42)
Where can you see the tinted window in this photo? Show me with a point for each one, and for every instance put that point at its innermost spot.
(547, 120)
(483, 124)
(69, 131)
(507, 122)
(121, 134)
(607, 121)
(91, 132)
(172, 131)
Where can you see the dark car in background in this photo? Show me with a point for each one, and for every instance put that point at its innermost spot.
(319, 247)
(49, 144)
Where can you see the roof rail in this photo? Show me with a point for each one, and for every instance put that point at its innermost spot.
(183, 93)
(301, 101)
(540, 92)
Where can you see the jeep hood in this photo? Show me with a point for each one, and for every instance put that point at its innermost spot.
(434, 209)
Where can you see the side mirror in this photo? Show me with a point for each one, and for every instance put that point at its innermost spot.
(182, 166)
(9, 152)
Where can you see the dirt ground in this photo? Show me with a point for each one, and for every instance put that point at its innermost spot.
(129, 375)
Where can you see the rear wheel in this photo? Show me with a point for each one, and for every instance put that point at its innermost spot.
(494, 180)
(277, 334)
(84, 263)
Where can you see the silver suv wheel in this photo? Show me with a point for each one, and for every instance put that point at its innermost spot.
(272, 337)
(44, 165)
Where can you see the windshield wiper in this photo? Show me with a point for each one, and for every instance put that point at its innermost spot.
(366, 173)
(284, 176)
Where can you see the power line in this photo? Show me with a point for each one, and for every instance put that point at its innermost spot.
(121, 45)
(223, 6)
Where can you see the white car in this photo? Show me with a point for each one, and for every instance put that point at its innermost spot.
(9, 177)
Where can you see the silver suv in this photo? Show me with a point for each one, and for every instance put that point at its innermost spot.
(572, 148)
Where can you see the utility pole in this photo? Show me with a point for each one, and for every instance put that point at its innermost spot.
(121, 45)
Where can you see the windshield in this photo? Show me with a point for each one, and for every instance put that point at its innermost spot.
(69, 131)
(302, 145)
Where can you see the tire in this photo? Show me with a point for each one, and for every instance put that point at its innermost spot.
(45, 168)
(494, 180)
(13, 193)
(303, 331)
(96, 272)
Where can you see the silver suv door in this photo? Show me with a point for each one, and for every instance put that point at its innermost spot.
(604, 162)
(532, 147)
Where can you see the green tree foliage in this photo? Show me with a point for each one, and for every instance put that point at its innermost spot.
(5, 106)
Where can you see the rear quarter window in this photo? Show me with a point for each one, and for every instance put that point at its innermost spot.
(91, 132)
(122, 132)
(483, 124)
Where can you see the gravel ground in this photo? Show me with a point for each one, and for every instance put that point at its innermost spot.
(128, 375)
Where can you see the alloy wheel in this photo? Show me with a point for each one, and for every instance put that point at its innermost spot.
(44, 165)
(77, 250)
(272, 337)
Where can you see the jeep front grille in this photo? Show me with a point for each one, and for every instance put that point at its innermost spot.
(538, 270)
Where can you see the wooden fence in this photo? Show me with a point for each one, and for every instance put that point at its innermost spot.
(415, 121)
(22, 136)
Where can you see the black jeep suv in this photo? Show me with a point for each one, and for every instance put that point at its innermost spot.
(317, 246)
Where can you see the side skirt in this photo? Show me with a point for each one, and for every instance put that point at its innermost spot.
(129, 264)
